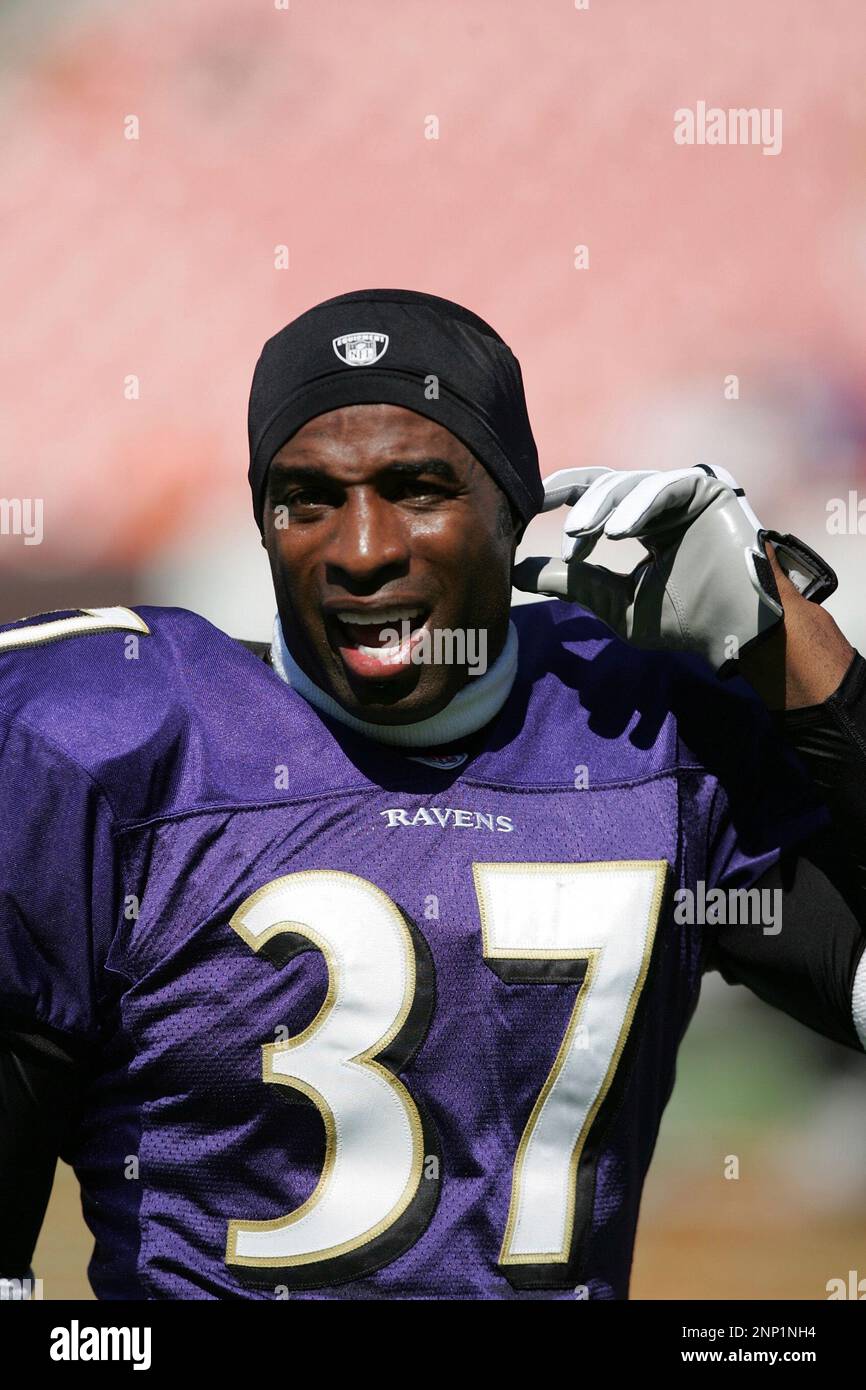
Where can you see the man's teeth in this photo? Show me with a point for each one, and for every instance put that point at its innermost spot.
(379, 618)
(402, 633)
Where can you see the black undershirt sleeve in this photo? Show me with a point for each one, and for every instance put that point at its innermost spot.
(830, 739)
(808, 967)
(40, 1089)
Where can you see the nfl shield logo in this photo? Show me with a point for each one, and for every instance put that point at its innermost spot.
(360, 349)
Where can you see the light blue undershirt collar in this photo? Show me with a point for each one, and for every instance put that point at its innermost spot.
(474, 705)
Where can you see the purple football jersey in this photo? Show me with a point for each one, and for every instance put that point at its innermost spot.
(357, 1026)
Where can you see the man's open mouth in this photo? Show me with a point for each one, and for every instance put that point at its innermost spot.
(377, 642)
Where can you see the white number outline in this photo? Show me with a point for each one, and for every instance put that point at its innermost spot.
(239, 1228)
(657, 870)
(89, 620)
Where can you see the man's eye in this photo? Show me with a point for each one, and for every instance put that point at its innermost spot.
(308, 497)
(420, 488)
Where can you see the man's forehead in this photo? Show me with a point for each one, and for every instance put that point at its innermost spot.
(375, 431)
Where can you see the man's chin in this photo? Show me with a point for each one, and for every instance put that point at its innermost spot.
(403, 698)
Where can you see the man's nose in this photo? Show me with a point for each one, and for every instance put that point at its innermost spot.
(369, 541)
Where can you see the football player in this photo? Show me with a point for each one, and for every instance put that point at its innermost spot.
(348, 968)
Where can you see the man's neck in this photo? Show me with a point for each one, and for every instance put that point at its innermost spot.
(474, 705)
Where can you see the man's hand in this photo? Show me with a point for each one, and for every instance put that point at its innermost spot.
(805, 659)
(708, 583)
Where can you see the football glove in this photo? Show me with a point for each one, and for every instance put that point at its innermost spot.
(706, 584)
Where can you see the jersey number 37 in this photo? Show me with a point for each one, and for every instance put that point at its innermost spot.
(592, 923)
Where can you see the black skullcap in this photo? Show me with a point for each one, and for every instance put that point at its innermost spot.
(393, 346)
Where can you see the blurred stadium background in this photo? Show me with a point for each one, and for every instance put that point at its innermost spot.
(304, 127)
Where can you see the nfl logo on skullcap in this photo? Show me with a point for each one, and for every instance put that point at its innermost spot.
(360, 349)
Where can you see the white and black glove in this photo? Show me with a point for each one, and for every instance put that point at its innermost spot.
(706, 584)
